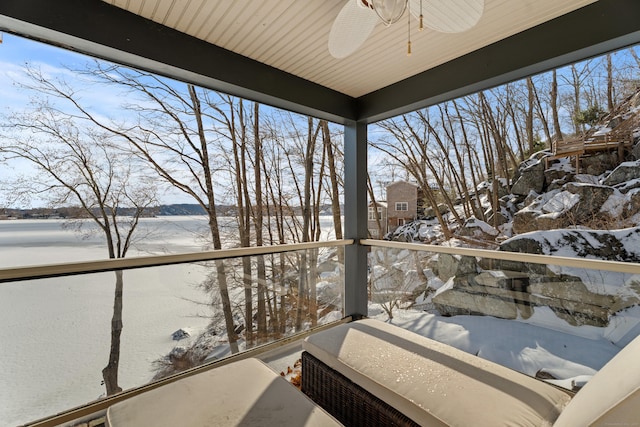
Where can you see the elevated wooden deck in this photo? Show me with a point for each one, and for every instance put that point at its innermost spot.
(619, 138)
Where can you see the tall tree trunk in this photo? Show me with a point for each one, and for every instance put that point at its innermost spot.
(472, 199)
(333, 177)
(554, 106)
(258, 219)
(303, 285)
(382, 228)
(210, 208)
(110, 372)
(610, 104)
(529, 115)
(576, 99)
(243, 203)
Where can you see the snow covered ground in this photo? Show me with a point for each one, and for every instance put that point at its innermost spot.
(520, 346)
(55, 333)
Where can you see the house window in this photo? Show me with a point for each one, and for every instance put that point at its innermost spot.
(402, 206)
(400, 221)
(372, 214)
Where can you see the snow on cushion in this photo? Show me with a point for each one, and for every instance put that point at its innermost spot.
(244, 393)
(433, 383)
(612, 396)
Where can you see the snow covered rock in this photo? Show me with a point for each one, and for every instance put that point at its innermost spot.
(598, 163)
(474, 227)
(461, 296)
(429, 213)
(531, 177)
(577, 203)
(591, 198)
(180, 334)
(626, 171)
(455, 265)
(511, 290)
(614, 245)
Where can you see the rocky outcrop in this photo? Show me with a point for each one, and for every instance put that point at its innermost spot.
(510, 290)
(461, 296)
(593, 244)
(509, 294)
(575, 203)
(591, 199)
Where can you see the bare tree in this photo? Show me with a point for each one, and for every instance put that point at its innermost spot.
(167, 133)
(78, 163)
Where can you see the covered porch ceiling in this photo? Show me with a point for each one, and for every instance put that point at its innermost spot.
(275, 51)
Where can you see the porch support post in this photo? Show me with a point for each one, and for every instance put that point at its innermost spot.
(355, 218)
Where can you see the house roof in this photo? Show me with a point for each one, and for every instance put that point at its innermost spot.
(402, 183)
(275, 51)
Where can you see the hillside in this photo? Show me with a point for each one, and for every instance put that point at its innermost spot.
(548, 207)
(595, 186)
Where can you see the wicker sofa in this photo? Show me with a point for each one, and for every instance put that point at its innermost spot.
(371, 373)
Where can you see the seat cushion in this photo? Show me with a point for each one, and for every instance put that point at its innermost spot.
(612, 396)
(246, 393)
(432, 383)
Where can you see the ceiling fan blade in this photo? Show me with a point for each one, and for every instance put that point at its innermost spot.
(448, 16)
(350, 29)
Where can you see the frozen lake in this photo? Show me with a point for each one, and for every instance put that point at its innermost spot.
(55, 333)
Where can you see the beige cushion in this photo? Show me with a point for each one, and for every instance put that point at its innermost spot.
(246, 393)
(611, 397)
(432, 383)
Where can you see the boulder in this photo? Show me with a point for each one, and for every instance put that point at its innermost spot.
(635, 151)
(627, 186)
(531, 178)
(592, 197)
(180, 334)
(498, 219)
(476, 228)
(599, 163)
(429, 213)
(570, 300)
(459, 298)
(524, 221)
(556, 184)
(455, 265)
(626, 171)
(558, 177)
(632, 207)
(576, 203)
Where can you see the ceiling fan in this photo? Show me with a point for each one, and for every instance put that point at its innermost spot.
(358, 18)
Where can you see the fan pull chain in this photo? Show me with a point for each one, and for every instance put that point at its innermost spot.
(421, 18)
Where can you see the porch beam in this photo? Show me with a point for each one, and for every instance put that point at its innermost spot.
(107, 32)
(593, 30)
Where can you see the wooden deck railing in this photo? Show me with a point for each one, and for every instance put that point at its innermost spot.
(619, 138)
